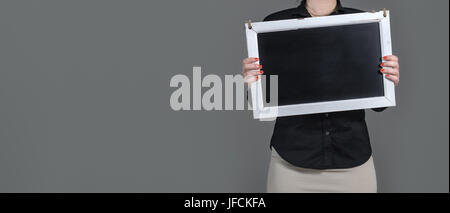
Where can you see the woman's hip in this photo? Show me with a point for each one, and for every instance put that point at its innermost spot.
(285, 177)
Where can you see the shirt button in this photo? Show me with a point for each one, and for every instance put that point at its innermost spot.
(327, 133)
(326, 115)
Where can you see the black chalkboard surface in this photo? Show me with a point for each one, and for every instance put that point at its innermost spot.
(323, 64)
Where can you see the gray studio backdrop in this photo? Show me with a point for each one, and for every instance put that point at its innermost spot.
(84, 97)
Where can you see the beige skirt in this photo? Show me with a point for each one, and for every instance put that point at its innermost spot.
(284, 177)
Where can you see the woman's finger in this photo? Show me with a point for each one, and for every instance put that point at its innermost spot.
(248, 67)
(390, 71)
(250, 60)
(393, 78)
(251, 79)
(393, 64)
(391, 58)
(253, 73)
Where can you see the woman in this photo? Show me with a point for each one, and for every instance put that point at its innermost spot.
(326, 152)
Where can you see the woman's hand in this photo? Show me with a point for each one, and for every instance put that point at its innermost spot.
(250, 70)
(391, 68)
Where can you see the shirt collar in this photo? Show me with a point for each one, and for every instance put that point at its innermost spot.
(303, 12)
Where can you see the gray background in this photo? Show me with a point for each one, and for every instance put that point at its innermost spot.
(84, 97)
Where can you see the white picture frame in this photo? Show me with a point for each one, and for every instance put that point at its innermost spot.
(267, 112)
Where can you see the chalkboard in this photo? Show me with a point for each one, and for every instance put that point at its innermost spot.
(324, 63)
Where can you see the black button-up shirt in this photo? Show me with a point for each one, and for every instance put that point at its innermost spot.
(321, 141)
